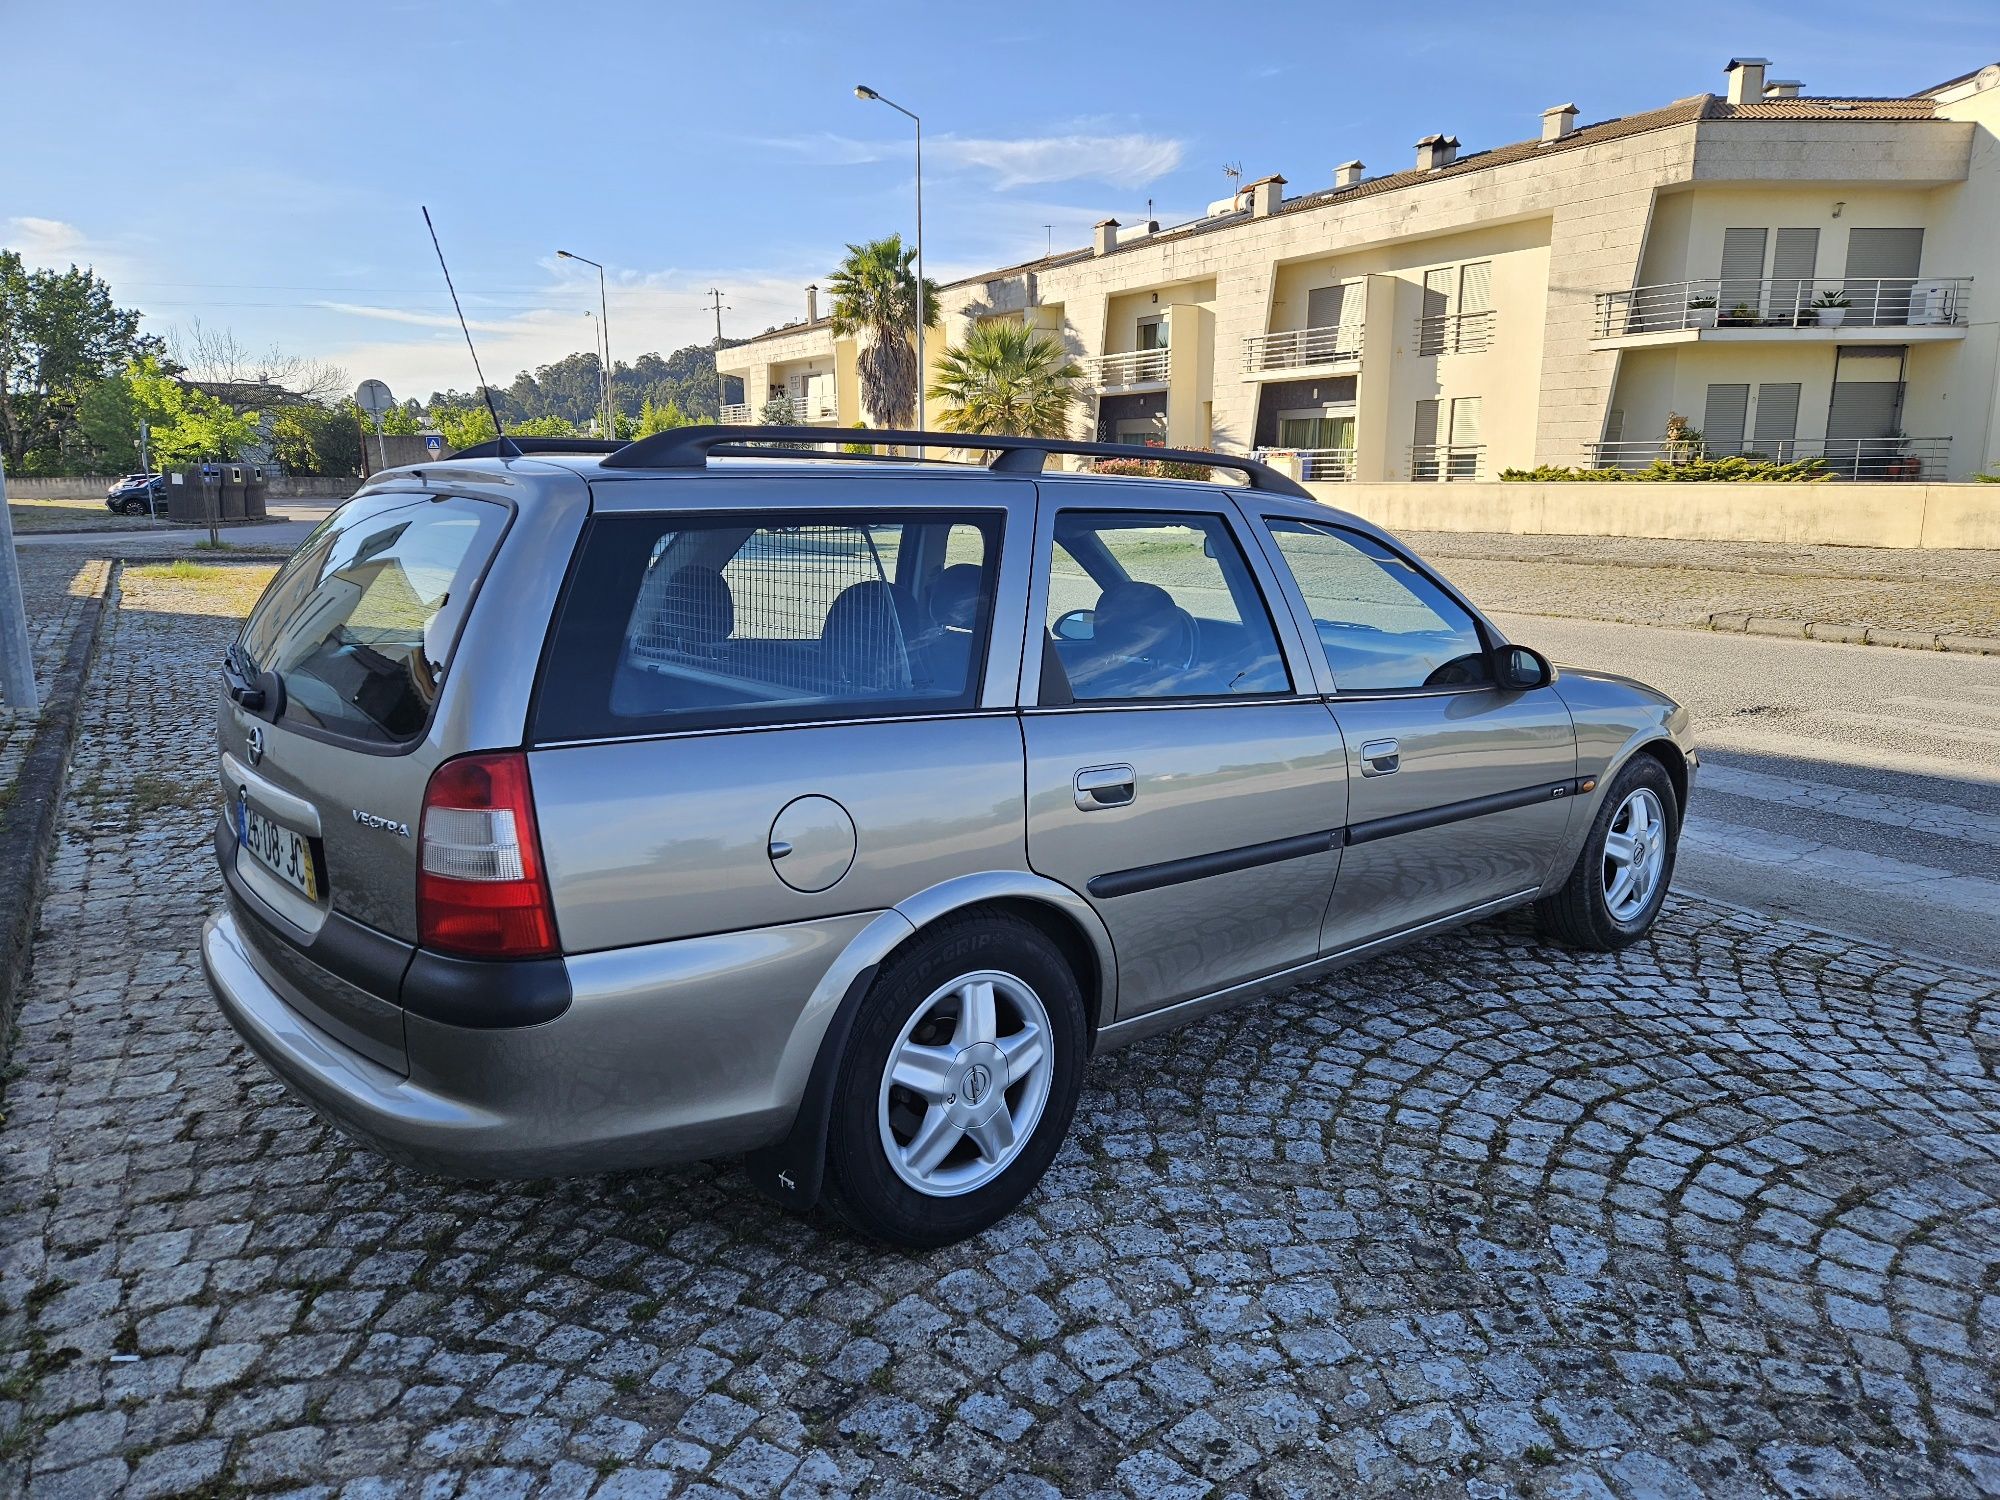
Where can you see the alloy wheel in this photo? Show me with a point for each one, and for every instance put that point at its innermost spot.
(1635, 854)
(965, 1083)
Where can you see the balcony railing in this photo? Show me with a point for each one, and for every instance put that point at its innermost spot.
(1301, 346)
(1876, 460)
(1111, 372)
(1455, 333)
(1322, 465)
(1440, 461)
(1786, 302)
(738, 414)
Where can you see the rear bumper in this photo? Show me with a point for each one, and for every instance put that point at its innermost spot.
(670, 1053)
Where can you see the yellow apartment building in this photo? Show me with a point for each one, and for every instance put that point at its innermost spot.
(1794, 275)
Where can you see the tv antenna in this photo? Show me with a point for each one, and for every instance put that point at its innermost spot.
(1049, 240)
(508, 450)
(1233, 170)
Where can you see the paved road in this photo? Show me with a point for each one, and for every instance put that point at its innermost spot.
(300, 516)
(1855, 788)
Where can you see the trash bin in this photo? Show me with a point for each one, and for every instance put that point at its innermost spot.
(232, 492)
(255, 505)
(184, 496)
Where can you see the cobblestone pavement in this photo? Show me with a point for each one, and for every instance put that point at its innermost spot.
(1647, 581)
(54, 588)
(1718, 1217)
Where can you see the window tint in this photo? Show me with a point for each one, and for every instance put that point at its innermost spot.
(1383, 624)
(359, 624)
(672, 623)
(1151, 605)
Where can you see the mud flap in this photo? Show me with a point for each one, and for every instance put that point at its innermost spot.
(792, 1171)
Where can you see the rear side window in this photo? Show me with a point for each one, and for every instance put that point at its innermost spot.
(359, 624)
(675, 622)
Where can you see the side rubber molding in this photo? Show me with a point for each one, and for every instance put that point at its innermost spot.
(793, 1170)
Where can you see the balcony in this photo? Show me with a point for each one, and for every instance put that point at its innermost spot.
(1318, 465)
(1301, 347)
(1740, 308)
(1137, 369)
(1872, 460)
(1455, 333)
(1446, 461)
(737, 414)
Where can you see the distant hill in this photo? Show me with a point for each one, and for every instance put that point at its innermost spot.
(569, 387)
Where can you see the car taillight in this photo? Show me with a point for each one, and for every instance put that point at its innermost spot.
(481, 891)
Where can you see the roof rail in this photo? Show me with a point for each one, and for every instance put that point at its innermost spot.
(690, 448)
(520, 447)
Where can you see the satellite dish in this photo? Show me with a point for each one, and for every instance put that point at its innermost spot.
(373, 397)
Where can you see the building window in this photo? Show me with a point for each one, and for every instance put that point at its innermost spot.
(1459, 455)
(1153, 332)
(1457, 313)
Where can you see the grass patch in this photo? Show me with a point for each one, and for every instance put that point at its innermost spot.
(180, 570)
(70, 515)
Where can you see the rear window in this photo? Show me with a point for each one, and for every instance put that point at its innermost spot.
(359, 624)
(676, 623)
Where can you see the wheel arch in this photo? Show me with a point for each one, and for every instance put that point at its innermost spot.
(792, 1169)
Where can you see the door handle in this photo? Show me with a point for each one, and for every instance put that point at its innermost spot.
(1380, 757)
(1099, 787)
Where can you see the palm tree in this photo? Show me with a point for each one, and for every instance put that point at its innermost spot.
(1008, 378)
(875, 292)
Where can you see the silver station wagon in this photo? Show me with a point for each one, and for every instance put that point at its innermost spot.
(589, 807)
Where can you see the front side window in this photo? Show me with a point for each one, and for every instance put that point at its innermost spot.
(677, 623)
(1146, 604)
(359, 624)
(1384, 625)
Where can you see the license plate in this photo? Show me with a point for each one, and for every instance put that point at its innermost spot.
(285, 854)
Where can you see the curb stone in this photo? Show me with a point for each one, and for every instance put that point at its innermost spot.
(28, 817)
(1853, 635)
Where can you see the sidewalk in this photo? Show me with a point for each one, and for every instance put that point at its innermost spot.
(1902, 595)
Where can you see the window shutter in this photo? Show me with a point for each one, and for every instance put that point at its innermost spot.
(1427, 424)
(1722, 419)
(1873, 257)
(1867, 396)
(1614, 426)
(1437, 292)
(1777, 419)
(1323, 305)
(1742, 267)
(1475, 287)
(1793, 264)
(1465, 422)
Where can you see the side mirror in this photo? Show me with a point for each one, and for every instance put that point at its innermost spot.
(1518, 669)
(1076, 625)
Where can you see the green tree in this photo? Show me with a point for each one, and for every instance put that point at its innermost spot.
(315, 439)
(657, 416)
(777, 412)
(107, 423)
(59, 333)
(464, 426)
(875, 298)
(1008, 378)
(541, 427)
(406, 420)
(187, 425)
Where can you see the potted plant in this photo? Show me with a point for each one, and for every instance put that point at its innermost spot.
(1701, 312)
(1742, 315)
(1830, 307)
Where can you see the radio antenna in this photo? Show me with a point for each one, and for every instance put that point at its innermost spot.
(507, 447)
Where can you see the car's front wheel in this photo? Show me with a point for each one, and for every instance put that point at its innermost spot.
(958, 1083)
(1614, 894)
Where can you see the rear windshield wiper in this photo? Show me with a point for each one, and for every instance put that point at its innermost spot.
(255, 691)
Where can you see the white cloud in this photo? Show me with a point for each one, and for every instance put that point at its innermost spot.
(416, 319)
(42, 241)
(1127, 160)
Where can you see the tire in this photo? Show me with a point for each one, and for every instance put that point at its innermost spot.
(996, 1138)
(1592, 909)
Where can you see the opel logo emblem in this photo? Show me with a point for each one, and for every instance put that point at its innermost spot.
(978, 1079)
(255, 746)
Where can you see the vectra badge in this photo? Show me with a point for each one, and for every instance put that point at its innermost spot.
(387, 825)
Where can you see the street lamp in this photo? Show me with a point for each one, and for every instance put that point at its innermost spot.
(862, 91)
(604, 322)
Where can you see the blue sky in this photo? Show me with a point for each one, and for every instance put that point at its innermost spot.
(260, 166)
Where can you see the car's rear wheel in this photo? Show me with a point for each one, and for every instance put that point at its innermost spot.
(1613, 896)
(958, 1083)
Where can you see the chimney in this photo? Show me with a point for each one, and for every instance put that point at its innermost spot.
(1435, 151)
(1746, 79)
(1789, 88)
(1347, 174)
(812, 304)
(1104, 238)
(1266, 193)
(1558, 121)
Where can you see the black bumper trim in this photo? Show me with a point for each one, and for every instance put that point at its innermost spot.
(478, 994)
